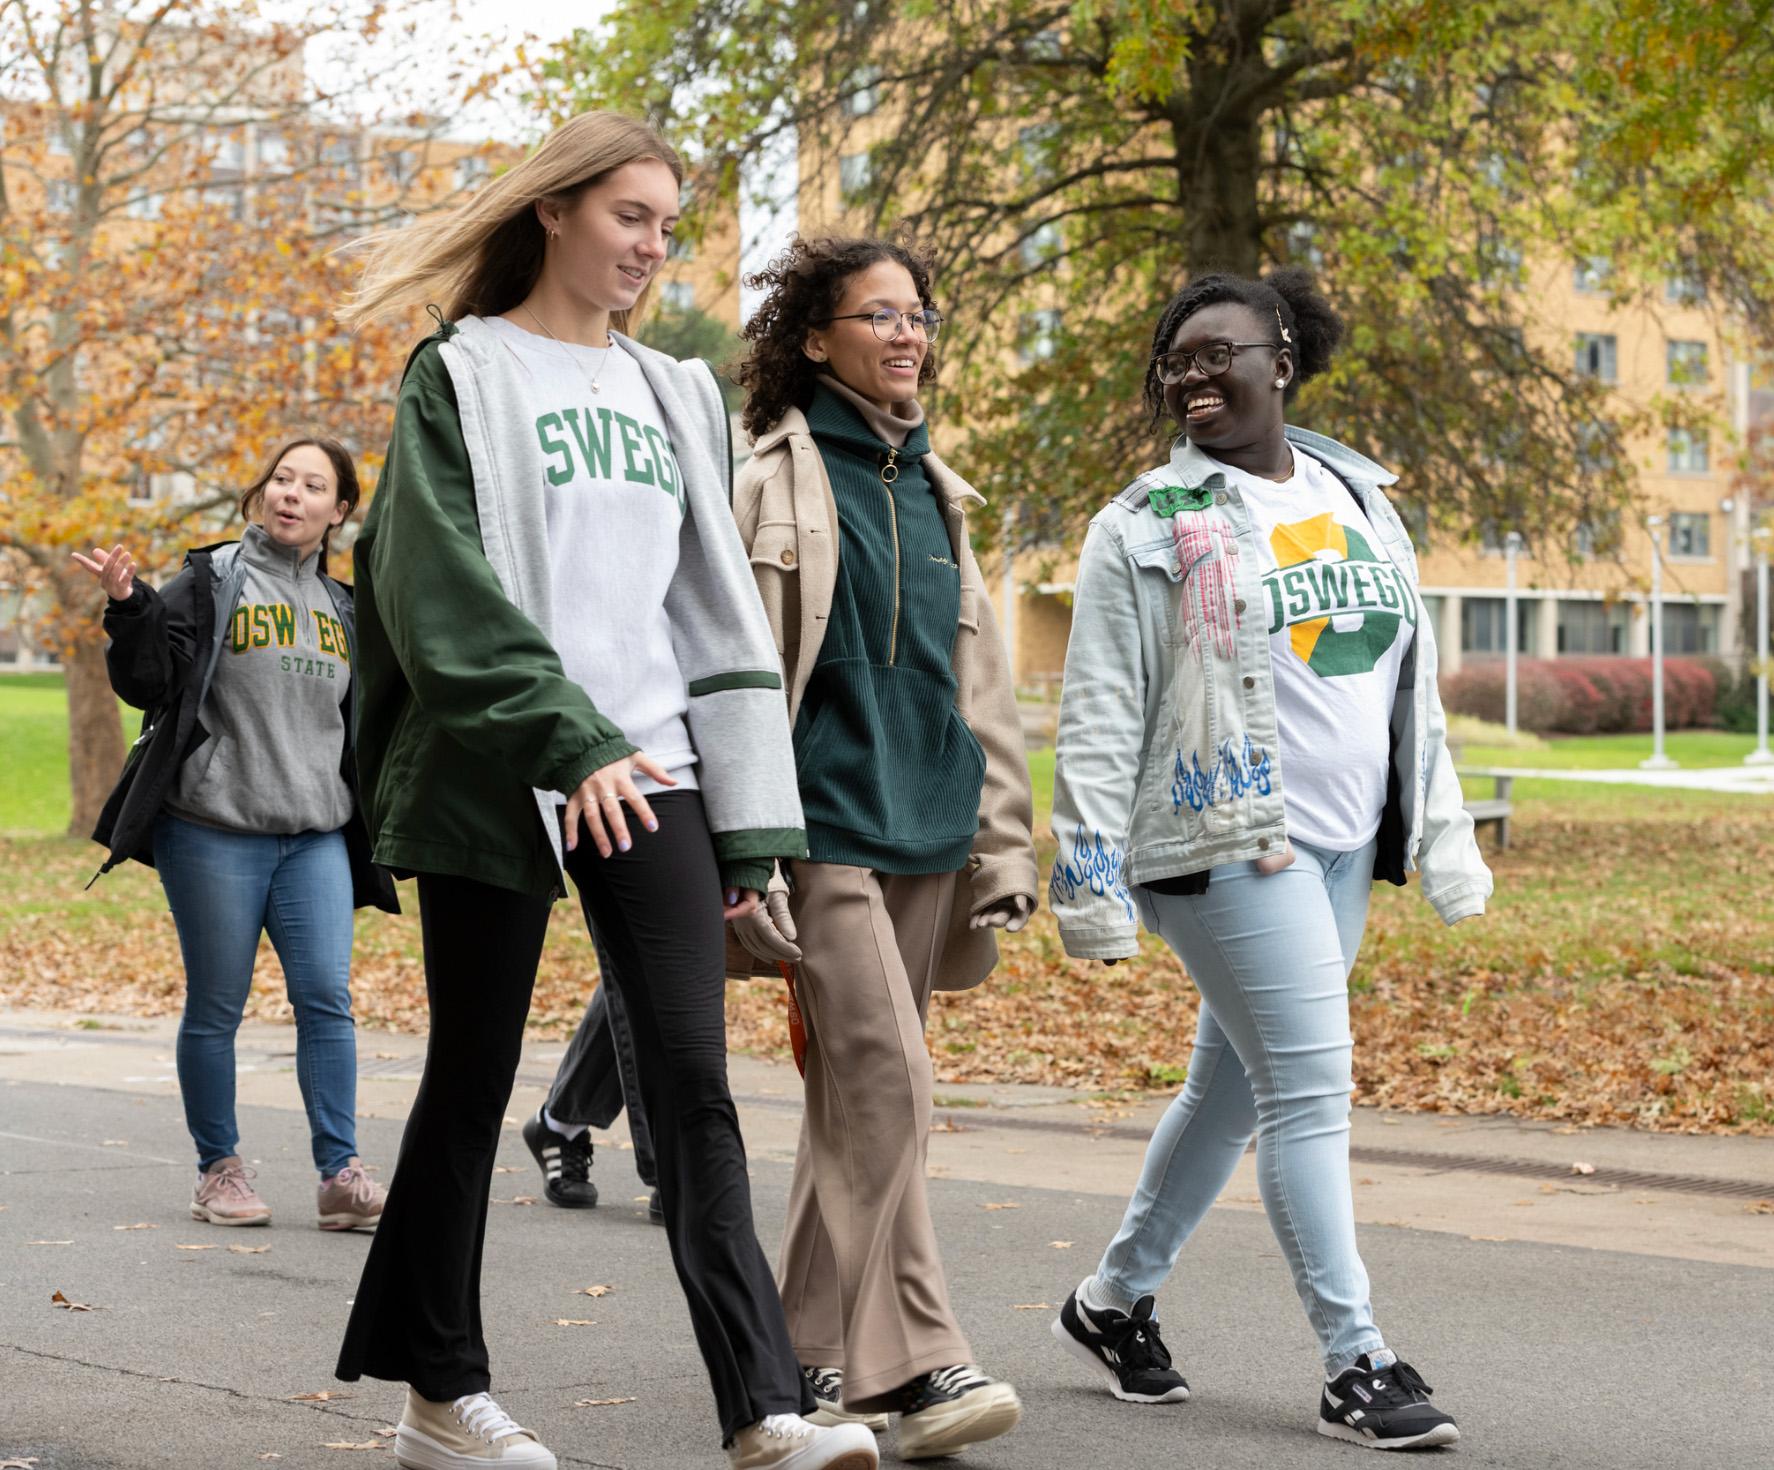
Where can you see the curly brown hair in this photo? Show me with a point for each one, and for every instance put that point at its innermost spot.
(805, 284)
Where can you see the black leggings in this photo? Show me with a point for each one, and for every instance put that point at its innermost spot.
(657, 909)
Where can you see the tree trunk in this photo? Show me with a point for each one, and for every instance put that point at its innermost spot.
(95, 732)
(1217, 189)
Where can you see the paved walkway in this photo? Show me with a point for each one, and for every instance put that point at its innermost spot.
(1556, 1311)
(1743, 780)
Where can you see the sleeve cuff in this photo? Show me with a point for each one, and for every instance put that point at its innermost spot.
(594, 758)
(752, 873)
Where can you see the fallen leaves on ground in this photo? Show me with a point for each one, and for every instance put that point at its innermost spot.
(27, 1463)
(1001, 1205)
(603, 1288)
(49, 1242)
(194, 1247)
(1599, 989)
(1060, 1245)
(575, 1322)
(325, 1396)
(599, 1403)
(248, 1250)
(139, 1225)
(57, 1299)
(344, 1444)
(1760, 1207)
(1031, 1306)
(1582, 1168)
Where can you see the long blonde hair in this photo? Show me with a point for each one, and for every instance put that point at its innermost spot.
(484, 256)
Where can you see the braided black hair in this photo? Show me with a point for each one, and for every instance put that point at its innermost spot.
(1313, 328)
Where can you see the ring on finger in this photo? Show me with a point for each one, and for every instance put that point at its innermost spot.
(610, 796)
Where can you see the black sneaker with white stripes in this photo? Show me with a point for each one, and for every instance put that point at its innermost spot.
(944, 1411)
(828, 1401)
(1123, 1346)
(1384, 1408)
(565, 1164)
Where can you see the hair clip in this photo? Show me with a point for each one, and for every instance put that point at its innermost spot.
(1286, 336)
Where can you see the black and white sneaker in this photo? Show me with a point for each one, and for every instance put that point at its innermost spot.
(1384, 1408)
(565, 1164)
(828, 1397)
(1125, 1347)
(944, 1411)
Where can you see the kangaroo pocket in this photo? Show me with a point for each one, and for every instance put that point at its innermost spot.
(886, 757)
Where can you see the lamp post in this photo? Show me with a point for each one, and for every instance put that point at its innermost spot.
(1761, 755)
(1511, 549)
(1658, 760)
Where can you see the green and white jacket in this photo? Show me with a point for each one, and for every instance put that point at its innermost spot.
(467, 725)
(1167, 762)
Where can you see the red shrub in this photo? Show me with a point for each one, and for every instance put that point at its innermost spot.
(1578, 696)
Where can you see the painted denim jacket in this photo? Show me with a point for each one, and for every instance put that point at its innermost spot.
(1167, 762)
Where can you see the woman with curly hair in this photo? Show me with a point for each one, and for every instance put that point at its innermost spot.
(1249, 736)
(913, 778)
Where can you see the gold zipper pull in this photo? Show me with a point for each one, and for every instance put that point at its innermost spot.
(890, 470)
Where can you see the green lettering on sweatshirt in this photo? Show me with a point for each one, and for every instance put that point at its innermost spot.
(638, 471)
(594, 445)
(551, 446)
(283, 623)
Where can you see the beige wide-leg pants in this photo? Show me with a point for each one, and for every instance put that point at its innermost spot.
(861, 1279)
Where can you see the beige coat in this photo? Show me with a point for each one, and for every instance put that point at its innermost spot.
(788, 520)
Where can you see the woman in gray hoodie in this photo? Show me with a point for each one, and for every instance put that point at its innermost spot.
(241, 793)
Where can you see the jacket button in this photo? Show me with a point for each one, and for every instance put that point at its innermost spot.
(788, 558)
(1263, 842)
(1220, 497)
(1238, 605)
(1249, 683)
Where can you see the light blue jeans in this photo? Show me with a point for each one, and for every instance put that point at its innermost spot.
(1271, 956)
(225, 889)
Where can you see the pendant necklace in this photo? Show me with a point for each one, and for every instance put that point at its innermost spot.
(590, 378)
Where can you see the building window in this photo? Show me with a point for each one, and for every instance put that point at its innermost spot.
(272, 151)
(1687, 364)
(60, 195)
(1045, 45)
(1499, 260)
(1592, 274)
(1684, 289)
(229, 156)
(863, 98)
(1598, 356)
(677, 295)
(854, 175)
(1596, 535)
(472, 170)
(1035, 143)
(1690, 453)
(1484, 625)
(1038, 336)
(1303, 247)
(1690, 628)
(1040, 244)
(1690, 535)
(1591, 627)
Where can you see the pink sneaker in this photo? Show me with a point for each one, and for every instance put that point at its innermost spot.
(350, 1200)
(225, 1195)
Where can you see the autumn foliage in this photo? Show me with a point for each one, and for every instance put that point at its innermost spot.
(1586, 696)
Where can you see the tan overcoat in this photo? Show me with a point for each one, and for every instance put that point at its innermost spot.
(788, 522)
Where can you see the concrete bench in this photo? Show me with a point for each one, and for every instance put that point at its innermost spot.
(1497, 808)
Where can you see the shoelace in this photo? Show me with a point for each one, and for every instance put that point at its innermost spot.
(1397, 1384)
(576, 1159)
(358, 1186)
(1138, 1344)
(826, 1383)
(484, 1419)
(957, 1379)
(785, 1426)
(235, 1182)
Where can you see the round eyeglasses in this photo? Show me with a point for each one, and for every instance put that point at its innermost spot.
(1213, 358)
(886, 322)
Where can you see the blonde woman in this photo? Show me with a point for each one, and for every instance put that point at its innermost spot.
(566, 670)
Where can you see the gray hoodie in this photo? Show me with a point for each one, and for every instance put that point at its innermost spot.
(273, 714)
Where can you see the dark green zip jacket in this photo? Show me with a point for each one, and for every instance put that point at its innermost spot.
(890, 773)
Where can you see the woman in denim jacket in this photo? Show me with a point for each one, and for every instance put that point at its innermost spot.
(1250, 735)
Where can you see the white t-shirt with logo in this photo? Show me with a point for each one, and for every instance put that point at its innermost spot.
(1340, 617)
(615, 504)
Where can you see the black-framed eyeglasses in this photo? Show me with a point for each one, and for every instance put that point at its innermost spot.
(1213, 358)
(886, 322)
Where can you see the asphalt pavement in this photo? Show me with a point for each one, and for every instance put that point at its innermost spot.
(1614, 1320)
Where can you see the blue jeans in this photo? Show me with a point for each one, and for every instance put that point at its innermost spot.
(1271, 956)
(225, 888)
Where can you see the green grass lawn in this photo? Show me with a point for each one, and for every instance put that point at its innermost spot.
(1695, 749)
(34, 749)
